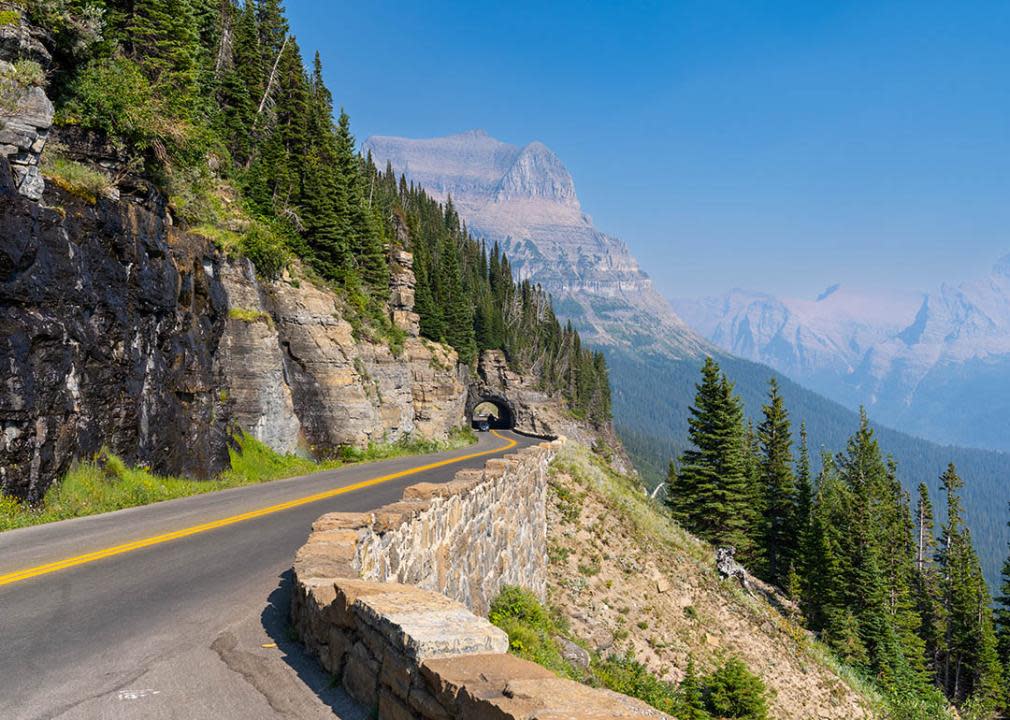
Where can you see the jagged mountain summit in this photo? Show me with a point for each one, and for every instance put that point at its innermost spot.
(524, 198)
(935, 364)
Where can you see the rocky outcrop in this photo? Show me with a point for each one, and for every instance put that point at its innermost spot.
(253, 364)
(26, 114)
(402, 283)
(109, 327)
(349, 391)
(370, 600)
(118, 329)
(534, 411)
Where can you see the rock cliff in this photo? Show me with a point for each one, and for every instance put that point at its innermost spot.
(118, 329)
(26, 114)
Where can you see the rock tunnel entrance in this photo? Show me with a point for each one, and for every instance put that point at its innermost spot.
(496, 413)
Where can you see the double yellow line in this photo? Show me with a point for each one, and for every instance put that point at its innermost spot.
(108, 552)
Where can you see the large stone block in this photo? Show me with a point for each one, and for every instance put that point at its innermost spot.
(424, 624)
(361, 676)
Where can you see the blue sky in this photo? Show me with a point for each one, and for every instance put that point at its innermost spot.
(780, 146)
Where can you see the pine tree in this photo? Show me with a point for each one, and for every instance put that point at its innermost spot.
(458, 315)
(690, 696)
(713, 490)
(927, 585)
(1001, 618)
(778, 488)
(971, 664)
(164, 38)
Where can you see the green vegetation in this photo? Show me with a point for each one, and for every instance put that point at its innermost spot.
(249, 316)
(106, 483)
(10, 17)
(212, 98)
(22, 74)
(873, 582)
(731, 691)
(73, 177)
(652, 394)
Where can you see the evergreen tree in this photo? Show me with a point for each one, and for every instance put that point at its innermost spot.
(712, 489)
(164, 38)
(971, 664)
(690, 697)
(928, 584)
(1001, 619)
(458, 317)
(778, 488)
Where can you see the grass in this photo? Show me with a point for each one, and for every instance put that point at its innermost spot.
(247, 315)
(106, 483)
(10, 17)
(74, 177)
(535, 632)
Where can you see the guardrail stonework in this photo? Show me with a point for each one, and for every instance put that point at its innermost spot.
(392, 602)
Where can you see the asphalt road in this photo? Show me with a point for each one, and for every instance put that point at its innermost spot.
(191, 624)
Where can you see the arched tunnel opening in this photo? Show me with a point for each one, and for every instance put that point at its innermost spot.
(491, 414)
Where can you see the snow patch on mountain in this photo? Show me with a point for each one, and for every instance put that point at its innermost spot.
(936, 364)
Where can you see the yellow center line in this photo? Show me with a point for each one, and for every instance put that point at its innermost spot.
(91, 557)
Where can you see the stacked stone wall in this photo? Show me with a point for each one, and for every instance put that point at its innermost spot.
(392, 602)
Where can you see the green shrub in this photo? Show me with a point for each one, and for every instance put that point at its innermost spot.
(628, 676)
(10, 17)
(733, 691)
(266, 249)
(75, 178)
(113, 95)
(530, 628)
(914, 704)
(23, 74)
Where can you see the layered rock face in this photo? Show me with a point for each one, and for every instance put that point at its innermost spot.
(525, 199)
(26, 114)
(109, 326)
(116, 329)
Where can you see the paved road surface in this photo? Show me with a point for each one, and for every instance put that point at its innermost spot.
(183, 627)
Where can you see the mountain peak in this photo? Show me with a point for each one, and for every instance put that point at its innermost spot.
(828, 292)
(538, 173)
(1002, 267)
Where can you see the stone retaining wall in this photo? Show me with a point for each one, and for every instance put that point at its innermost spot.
(387, 600)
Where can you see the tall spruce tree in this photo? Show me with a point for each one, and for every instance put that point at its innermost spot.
(927, 587)
(164, 39)
(1001, 618)
(713, 491)
(971, 665)
(778, 486)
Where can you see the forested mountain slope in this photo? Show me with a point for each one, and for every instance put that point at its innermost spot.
(652, 421)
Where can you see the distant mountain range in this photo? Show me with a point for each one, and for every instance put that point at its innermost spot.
(936, 365)
(524, 198)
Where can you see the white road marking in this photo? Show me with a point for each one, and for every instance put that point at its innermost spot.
(137, 694)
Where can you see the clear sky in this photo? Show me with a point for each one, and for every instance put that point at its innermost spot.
(780, 146)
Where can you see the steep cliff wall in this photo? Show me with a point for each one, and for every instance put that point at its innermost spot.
(118, 329)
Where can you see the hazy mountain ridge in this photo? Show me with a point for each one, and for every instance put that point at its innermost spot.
(933, 364)
(525, 198)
